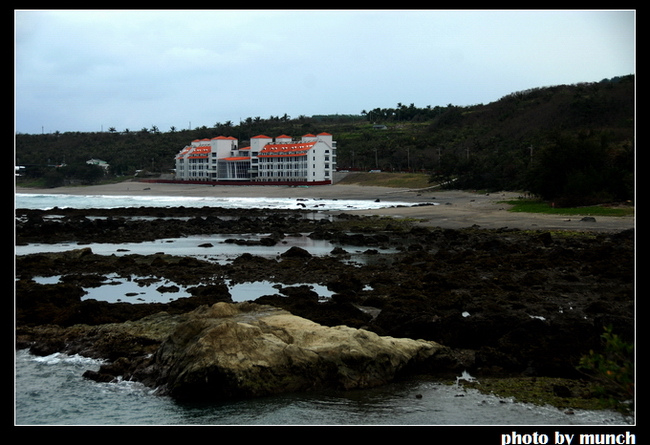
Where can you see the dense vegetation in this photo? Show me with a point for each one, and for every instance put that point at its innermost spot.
(573, 144)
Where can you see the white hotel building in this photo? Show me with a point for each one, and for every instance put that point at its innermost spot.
(312, 159)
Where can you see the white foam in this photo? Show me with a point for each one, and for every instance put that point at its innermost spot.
(49, 201)
(59, 357)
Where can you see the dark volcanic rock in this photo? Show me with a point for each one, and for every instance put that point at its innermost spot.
(296, 252)
(511, 301)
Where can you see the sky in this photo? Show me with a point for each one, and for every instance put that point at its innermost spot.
(92, 70)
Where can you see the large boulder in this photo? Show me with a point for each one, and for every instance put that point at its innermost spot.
(249, 350)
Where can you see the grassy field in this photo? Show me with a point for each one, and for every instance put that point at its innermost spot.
(385, 179)
(536, 206)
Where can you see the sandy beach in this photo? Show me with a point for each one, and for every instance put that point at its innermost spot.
(454, 209)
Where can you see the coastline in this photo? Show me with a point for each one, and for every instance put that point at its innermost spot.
(455, 208)
(518, 263)
(336, 191)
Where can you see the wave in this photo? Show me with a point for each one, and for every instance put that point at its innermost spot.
(59, 358)
(50, 201)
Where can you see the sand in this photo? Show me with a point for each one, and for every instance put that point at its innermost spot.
(455, 209)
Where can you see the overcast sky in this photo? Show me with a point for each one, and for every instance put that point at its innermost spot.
(80, 70)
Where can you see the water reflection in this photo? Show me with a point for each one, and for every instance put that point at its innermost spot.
(220, 248)
(135, 289)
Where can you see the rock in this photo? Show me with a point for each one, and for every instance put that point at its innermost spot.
(98, 376)
(303, 292)
(249, 350)
(501, 277)
(545, 238)
(170, 288)
(296, 252)
(346, 283)
(268, 241)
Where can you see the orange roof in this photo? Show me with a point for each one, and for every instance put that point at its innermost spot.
(236, 158)
(283, 136)
(183, 152)
(292, 149)
(261, 136)
(200, 152)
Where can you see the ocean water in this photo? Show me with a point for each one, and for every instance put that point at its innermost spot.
(48, 201)
(51, 390)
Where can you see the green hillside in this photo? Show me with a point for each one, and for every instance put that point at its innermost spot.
(570, 143)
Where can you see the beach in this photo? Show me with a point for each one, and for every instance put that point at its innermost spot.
(453, 209)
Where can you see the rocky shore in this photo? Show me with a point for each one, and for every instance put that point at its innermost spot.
(494, 302)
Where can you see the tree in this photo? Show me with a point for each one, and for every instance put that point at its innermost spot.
(82, 172)
(53, 178)
(579, 170)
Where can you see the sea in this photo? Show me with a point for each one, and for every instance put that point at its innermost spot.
(51, 200)
(50, 390)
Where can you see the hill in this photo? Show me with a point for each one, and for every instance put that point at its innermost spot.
(573, 141)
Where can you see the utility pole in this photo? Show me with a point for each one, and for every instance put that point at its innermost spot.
(408, 158)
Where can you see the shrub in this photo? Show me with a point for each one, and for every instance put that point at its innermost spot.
(613, 369)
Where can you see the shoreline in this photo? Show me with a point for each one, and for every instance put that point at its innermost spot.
(498, 279)
(455, 209)
(134, 188)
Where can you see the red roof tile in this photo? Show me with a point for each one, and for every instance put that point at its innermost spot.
(230, 138)
(291, 149)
